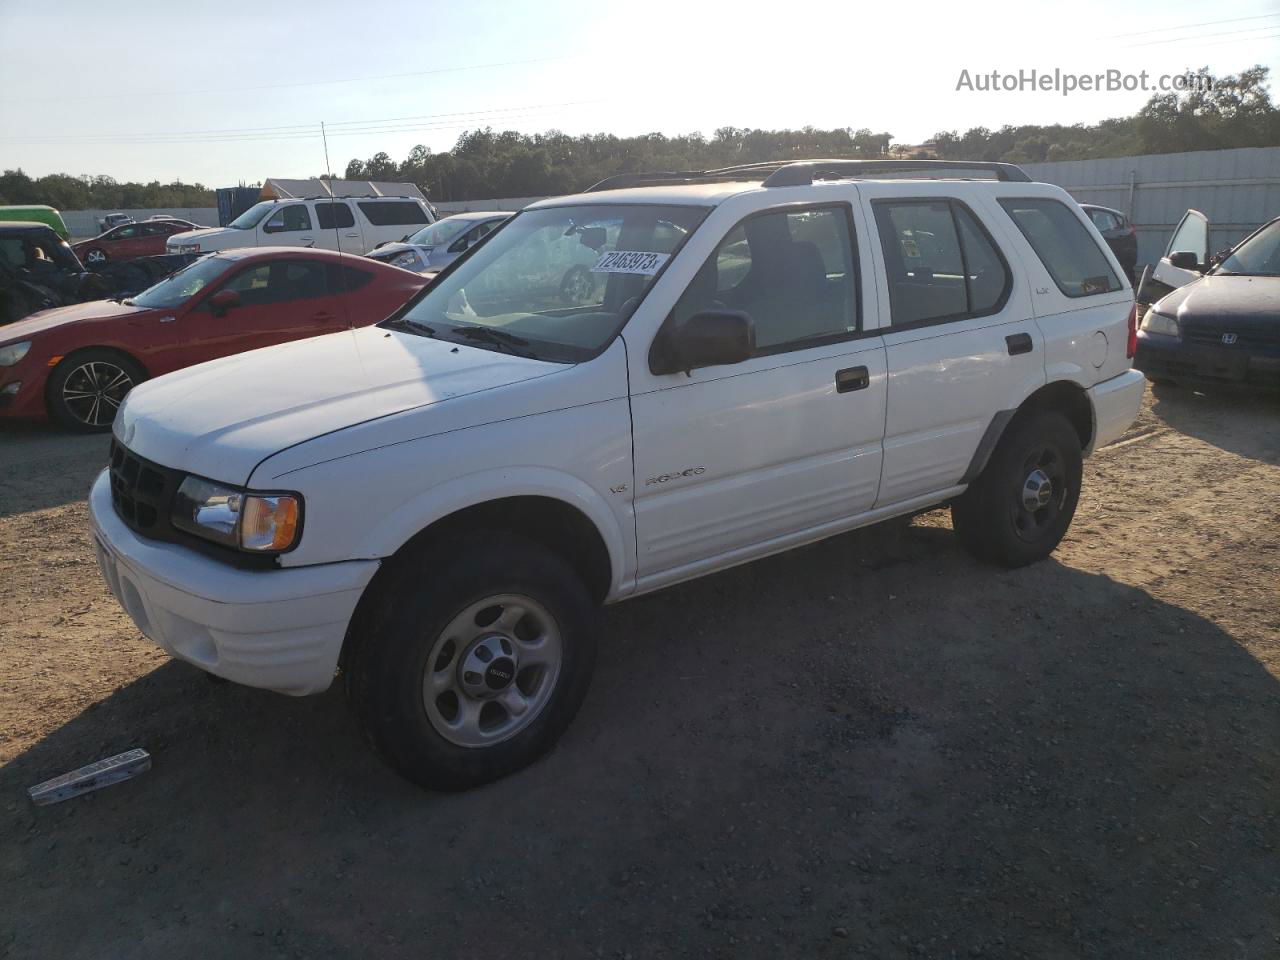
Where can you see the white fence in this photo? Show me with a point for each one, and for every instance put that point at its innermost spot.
(1238, 190)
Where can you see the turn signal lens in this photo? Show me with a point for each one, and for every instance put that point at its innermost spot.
(268, 523)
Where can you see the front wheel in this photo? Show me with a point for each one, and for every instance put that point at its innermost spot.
(95, 257)
(471, 659)
(1020, 507)
(86, 389)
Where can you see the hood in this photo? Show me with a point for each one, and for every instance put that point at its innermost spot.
(214, 238)
(391, 249)
(62, 316)
(1235, 303)
(221, 419)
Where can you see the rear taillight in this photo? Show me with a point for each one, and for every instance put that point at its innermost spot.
(1133, 332)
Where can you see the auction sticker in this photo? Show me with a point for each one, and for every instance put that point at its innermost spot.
(630, 261)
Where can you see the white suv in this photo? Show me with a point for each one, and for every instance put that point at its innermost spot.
(349, 224)
(760, 357)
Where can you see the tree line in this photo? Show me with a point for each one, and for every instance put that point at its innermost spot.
(1220, 113)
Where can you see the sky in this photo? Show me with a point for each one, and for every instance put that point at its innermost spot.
(230, 92)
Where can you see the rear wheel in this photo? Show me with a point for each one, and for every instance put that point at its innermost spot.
(1020, 507)
(87, 388)
(472, 659)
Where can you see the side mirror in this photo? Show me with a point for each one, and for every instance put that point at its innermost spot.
(224, 300)
(1184, 260)
(707, 339)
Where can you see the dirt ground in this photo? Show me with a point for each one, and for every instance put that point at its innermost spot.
(872, 747)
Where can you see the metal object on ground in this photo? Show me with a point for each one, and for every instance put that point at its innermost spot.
(92, 777)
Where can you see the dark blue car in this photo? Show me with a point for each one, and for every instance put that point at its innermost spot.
(1224, 328)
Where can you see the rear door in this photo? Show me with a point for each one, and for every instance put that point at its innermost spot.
(1190, 236)
(388, 220)
(339, 229)
(960, 339)
(1081, 304)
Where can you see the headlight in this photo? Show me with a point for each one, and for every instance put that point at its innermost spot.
(188, 248)
(258, 522)
(408, 259)
(11, 353)
(1160, 323)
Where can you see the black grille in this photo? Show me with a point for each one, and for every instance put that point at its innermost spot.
(142, 493)
(1267, 340)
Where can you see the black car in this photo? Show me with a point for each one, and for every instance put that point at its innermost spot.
(39, 270)
(1120, 234)
(1223, 328)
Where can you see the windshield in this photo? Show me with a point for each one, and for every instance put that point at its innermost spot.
(1258, 256)
(183, 285)
(440, 232)
(251, 217)
(557, 283)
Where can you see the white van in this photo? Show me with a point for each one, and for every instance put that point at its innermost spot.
(349, 224)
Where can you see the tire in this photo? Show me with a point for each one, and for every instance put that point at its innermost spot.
(406, 668)
(97, 374)
(994, 519)
(95, 257)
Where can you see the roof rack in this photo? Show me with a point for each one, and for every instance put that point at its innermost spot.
(792, 173)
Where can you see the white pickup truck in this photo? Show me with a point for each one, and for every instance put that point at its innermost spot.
(762, 356)
(349, 224)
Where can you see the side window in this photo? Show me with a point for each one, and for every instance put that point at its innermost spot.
(1072, 257)
(279, 281)
(1103, 220)
(126, 233)
(288, 219)
(334, 216)
(941, 264)
(485, 229)
(347, 279)
(1192, 235)
(393, 213)
(792, 272)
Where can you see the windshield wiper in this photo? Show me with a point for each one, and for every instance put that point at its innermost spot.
(499, 338)
(413, 326)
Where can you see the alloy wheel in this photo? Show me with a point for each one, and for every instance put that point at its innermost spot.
(93, 392)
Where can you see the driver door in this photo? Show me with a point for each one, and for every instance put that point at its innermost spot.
(740, 460)
(1191, 235)
(280, 300)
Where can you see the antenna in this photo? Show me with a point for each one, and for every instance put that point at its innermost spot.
(337, 237)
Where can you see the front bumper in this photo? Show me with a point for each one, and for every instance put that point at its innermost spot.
(1115, 406)
(280, 630)
(1195, 363)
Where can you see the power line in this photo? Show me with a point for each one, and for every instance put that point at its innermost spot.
(1196, 38)
(1189, 26)
(311, 134)
(299, 83)
(284, 130)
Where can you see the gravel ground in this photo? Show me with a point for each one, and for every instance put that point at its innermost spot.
(872, 747)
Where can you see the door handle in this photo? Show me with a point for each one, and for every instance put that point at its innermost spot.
(354, 235)
(852, 378)
(307, 240)
(1019, 343)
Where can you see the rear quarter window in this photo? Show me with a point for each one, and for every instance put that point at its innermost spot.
(393, 213)
(1073, 258)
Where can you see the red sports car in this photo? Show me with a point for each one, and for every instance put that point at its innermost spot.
(76, 363)
(131, 240)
